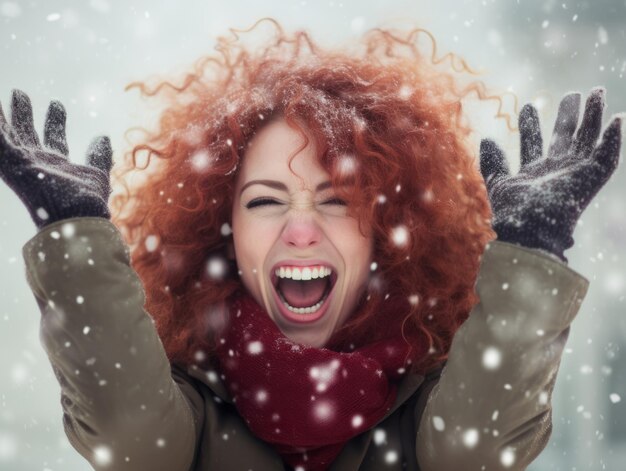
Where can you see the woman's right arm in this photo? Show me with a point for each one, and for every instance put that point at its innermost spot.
(124, 406)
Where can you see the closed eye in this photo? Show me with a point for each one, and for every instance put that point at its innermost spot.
(266, 201)
(336, 201)
(261, 202)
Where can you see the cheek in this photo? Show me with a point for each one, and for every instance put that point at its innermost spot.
(361, 247)
(252, 245)
(357, 252)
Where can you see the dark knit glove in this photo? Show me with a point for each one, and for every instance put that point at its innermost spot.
(52, 187)
(540, 206)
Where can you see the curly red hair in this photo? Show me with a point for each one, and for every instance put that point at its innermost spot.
(387, 106)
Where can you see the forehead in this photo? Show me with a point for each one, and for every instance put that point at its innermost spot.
(269, 152)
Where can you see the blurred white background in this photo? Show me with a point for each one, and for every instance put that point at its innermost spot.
(85, 52)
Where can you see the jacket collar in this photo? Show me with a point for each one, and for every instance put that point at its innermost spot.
(211, 379)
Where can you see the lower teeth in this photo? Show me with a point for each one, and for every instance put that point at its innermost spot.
(304, 310)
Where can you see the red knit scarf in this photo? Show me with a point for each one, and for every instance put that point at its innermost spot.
(306, 402)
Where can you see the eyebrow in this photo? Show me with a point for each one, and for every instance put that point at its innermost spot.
(281, 186)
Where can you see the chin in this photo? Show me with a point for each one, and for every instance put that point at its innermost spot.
(307, 339)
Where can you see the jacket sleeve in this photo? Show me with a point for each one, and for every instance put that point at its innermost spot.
(491, 409)
(125, 407)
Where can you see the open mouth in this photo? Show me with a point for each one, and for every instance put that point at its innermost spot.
(302, 292)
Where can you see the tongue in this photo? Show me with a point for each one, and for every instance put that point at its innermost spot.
(302, 293)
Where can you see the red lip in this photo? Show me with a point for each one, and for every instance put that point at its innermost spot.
(303, 318)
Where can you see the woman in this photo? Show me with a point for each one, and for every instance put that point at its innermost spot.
(308, 239)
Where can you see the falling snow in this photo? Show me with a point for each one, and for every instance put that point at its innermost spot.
(201, 160)
(225, 230)
(439, 423)
(151, 243)
(324, 374)
(217, 268)
(391, 457)
(254, 348)
(103, 455)
(492, 358)
(347, 165)
(357, 24)
(603, 36)
(507, 457)
(323, 411)
(357, 421)
(470, 438)
(380, 436)
(400, 236)
(42, 214)
(578, 380)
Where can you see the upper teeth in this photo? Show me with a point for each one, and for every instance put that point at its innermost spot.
(305, 273)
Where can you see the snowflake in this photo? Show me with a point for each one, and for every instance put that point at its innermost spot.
(470, 438)
(347, 165)
(201, 160)
(42, 214)
(151, 243)
(391, 457)
(323, 410)
(357, 24)
(400, 236)
(324, 374)
(439, 423)
(261, 395)
(254, 348)
(216, 268)
(102, 455)
(492, 358)
(68, 230)
(380, 436)
(507, 457)
(226, 230)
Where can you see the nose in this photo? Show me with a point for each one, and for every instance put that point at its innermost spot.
(302, 232)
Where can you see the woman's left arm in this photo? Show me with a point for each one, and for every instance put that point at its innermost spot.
(491, 408)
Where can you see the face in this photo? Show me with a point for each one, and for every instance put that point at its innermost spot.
(292, 225)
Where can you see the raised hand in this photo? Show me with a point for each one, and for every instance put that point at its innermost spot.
(540, 206)
(52, 187)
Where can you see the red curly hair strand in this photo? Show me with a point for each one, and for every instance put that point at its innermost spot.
(388, 106)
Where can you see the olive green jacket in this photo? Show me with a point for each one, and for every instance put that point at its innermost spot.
(126, 408)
